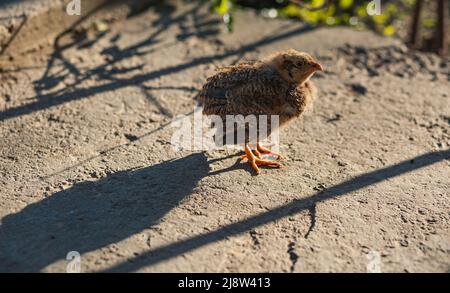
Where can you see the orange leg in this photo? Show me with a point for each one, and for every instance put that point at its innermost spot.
(260, 149)
(254, 161)
(255, 152)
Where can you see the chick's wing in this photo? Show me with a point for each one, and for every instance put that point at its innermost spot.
(244, 89)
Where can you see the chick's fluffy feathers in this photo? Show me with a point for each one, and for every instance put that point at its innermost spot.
(254, 88)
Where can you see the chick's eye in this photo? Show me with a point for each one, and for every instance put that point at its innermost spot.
(299, 64)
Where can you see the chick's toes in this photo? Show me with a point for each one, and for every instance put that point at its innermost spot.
(254, 161)
(255, 152)
(263, 150)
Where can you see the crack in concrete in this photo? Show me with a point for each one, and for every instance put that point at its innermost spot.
(255, 240)
(293, 256)
(313, 216)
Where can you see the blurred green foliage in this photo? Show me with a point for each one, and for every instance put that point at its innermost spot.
(338, 12)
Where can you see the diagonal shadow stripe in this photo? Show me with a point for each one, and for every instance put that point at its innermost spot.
(172, 250)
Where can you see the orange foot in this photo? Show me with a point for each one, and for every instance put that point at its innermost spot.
(255, 152)
(260, 149)
(267, 151)
(254, 159)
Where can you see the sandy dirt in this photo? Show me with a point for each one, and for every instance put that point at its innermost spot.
(86, 162)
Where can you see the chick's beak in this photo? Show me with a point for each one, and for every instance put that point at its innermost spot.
(317, 66)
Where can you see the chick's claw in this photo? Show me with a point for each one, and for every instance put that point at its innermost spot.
(264, 150)
(260, 149)
(256, 153)
(254, 161)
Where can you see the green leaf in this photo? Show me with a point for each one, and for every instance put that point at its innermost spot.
(429, 22)
(391, 8)
(317, 3)
(221, 7)
(380, 19)
(344, 4)
(361, 11)
(389, 30)
(291, 10)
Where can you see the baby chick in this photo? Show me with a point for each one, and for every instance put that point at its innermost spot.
(277, 85)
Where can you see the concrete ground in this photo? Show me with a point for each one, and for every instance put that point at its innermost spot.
(86, 162)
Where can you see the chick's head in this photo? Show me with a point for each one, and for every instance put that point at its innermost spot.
(294, 66)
